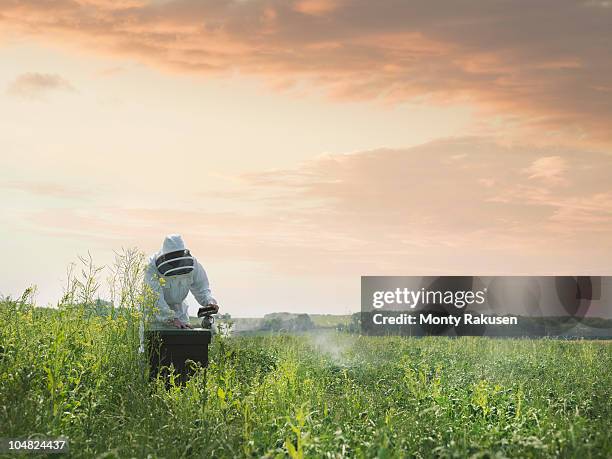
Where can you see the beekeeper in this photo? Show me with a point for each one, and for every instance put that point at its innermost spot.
(172, 273)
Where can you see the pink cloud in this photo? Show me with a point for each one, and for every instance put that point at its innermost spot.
(38, 85)
(548, 168)
(317, 7)
(546, 63)
(45, 189)
(441, 206)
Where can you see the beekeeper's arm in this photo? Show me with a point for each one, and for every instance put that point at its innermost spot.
(164, 312)
(200, 288)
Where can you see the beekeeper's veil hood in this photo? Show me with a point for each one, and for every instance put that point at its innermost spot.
(174, 259)
(172, 243)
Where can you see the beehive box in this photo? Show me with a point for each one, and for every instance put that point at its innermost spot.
(175, 347)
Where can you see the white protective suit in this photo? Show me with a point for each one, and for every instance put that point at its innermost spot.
(173, 289)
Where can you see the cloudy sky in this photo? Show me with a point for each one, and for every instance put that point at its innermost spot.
(300, 144)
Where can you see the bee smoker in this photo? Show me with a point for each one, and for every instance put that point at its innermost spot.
(206, 313)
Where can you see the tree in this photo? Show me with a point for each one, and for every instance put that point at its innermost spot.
(274, 324)
(303, 322)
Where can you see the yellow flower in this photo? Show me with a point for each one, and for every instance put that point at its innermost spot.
(162, 281)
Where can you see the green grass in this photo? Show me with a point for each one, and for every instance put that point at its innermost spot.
(68, 372)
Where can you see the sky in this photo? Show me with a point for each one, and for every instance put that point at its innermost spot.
(300, 144)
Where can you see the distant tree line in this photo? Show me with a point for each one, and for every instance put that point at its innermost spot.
(287, 322)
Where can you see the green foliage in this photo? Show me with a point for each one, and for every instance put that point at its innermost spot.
(68, 372)
(330, 320)
(287, 322)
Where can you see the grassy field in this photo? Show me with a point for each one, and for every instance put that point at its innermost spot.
(73, 373)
